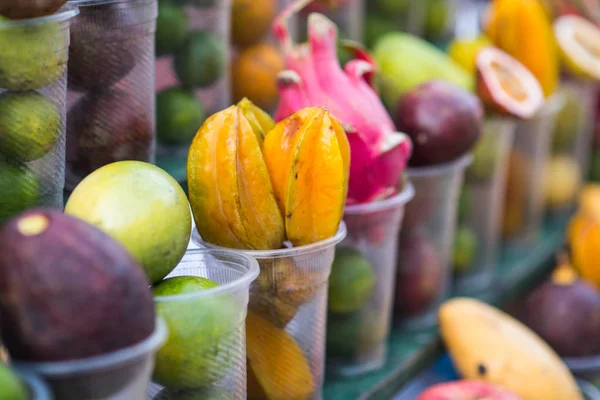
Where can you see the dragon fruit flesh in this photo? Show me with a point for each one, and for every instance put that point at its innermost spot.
(314, 77)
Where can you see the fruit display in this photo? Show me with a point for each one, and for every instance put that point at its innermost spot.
(33, 61)
(466, 389)
(111, 98)
(578, 40)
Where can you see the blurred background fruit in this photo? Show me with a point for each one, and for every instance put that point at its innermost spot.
(201, 60)
(351, 282)
(465, 249)
(171, 28)
(251, 20)
(563, 180)
(464, 51)
(179, 115)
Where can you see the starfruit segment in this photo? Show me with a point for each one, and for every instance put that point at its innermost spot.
(230, 190)
(260, 121)
(277, 361)
(309, 161)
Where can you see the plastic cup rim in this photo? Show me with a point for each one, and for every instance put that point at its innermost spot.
(583, 364)
(39, 389)
(244, 281)
(399, 199)
(440, 169)
(102, 362)
(65, 13)
(282, 253)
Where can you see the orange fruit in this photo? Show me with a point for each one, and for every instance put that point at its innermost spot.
(251, 20)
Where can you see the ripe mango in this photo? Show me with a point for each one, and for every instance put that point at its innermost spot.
(498, 349)
(583, 234)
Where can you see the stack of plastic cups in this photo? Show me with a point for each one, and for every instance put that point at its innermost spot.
(524, 198)
(285, 328)
(122, 374)
(33, 60)
(424, 251)
(361, 287)
(481, 205)
(205, 355)
(192, 74)
(110, 85)
(347, 14)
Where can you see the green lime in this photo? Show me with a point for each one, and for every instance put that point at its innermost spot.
(11, 387)
(201, 60)
(179, 115)
(29, 125)
(203, 342)
(351, 282)
(465, 249)
(19, 190)
(171, 28)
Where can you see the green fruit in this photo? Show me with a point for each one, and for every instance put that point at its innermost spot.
(426, 63)
(203, 342)
(375, 27)
(208, 393)
(485, 155)
(351, 282)
(19, 190)
(567, 122)
(437, 18)
(142, 207)
(11, 388)
(171, 28)
(29, 125)
(179, 115)
(392, 7)
(201, 60)
(465, 249)
(32, 57)
(464, 203)
(595, 167)
(348, 334)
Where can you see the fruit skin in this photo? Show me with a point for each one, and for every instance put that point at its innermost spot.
(353, 334)
(466, 389)
(229, 185)
(583, 234)
(200, 61)
(32, 57)
(48, 289)
(24, 9)
(251, 20)
(516, 192)
(29, 125)
(485, 155)
(546, 311)
(465, 249)
(254, 74)
(438, 18)
(443, 121)
(260, 121)
(19, 189)
(351, 282)
(398, 77)
(517, 27)
(567, 120)
(179, 115)
(203, 340)
(464, 51)
(570, 32)
(563, 180)
(500, 350)
(142, 207)
(93, 140)
(12, 387)
(171, 28)
(208, 393)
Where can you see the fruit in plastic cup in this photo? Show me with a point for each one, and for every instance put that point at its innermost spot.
(122, 374)
(286, 322)
(485, 183)
(206, 348)
(361, 287)
(426, 238)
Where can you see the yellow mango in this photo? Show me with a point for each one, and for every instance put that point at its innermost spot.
(584, 241)
(523, 30)
(260, 121)
(276, 361)
(489, 345)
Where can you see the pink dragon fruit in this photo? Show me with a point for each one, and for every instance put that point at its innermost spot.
(314, 77)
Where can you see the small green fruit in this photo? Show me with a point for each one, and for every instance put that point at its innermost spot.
(200, 61)
(465, 249)
(179, 115)
(567, 122)
(11, 388)
(29, 125)
(464, 203)
(208, 393)
(19, 190)
(351, 282)
(203, 341)
(485, 155)
(171, 28)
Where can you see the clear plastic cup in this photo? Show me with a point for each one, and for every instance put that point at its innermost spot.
(477, 240)
(38, 389)
(348, 15)
(205, 354)
(192, 74)
(285, 328)
(33, 58)
(524, 197)
(110, 85)
(425, 244)
(361, 287)
(120, 375)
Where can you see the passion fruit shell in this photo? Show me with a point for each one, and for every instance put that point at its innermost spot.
(506, 86)
(579, 44)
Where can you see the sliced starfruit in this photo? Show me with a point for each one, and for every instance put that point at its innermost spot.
(579, 43)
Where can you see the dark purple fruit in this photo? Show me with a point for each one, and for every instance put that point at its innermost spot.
(565, 311)
(68, 291)
(105, 128)
(419, 280)
(24, 9)
(443, 121)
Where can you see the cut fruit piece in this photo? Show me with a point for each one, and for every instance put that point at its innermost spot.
(579, 43)
(507, 86)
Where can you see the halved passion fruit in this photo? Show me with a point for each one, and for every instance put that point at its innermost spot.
(506, 86)
(579, 43)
